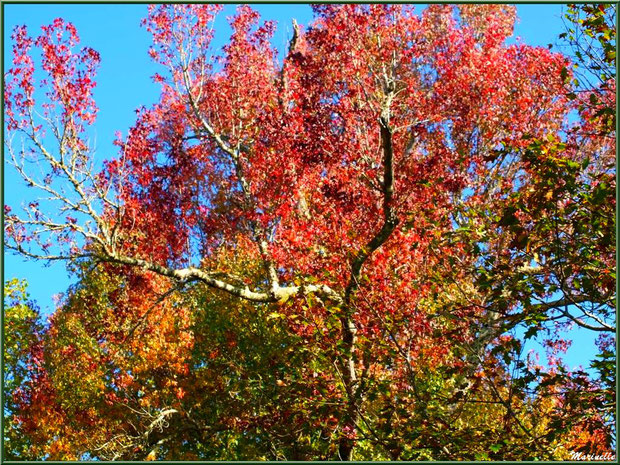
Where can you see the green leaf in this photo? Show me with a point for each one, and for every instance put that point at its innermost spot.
(274, 315)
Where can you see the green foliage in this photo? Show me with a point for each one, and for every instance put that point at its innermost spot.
(22, 331)
(591, 34)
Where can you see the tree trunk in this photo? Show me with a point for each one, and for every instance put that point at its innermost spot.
(351, 416)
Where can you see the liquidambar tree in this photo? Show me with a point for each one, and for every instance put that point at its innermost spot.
(338, 253)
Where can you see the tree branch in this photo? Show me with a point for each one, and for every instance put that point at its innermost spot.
(390, 220)
(280, 294)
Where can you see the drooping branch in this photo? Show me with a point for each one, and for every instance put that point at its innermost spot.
(508, 321)
(574, 301)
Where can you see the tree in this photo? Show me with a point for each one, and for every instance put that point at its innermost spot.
(367, 209)
(547, 259)
(21, 361)
(591, 36)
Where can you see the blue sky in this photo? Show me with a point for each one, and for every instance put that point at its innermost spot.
(124, 84)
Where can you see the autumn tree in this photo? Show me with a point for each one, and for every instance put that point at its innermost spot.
(546, 260)
(321, 255)
(22, 362)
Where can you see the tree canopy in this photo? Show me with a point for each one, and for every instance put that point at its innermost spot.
(341, 253)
